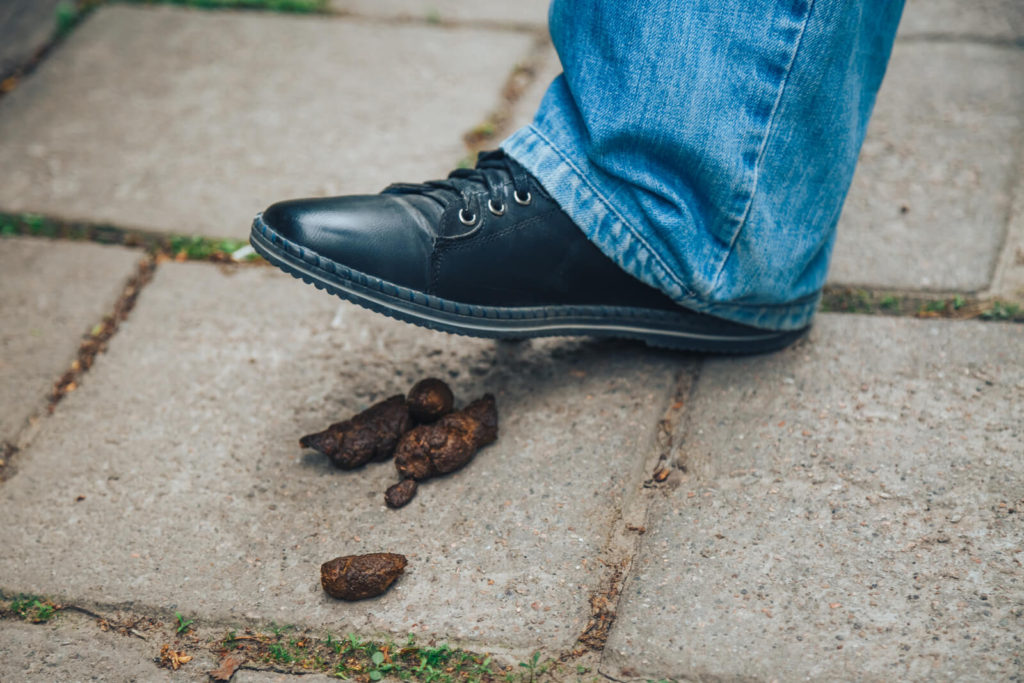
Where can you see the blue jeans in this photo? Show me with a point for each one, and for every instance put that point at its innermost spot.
(707, 145)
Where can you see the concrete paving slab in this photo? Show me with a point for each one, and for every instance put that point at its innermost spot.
(197, 497)
(523, 13)
(929, 215)
(26, 26)
(851, 509)
(72, 648)
(192, 121)
(977, 19)
(53, 293)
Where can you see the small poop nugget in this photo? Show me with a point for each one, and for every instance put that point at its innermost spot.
(355, 577)
(430, 399)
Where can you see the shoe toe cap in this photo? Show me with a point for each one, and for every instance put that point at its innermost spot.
(372, 234)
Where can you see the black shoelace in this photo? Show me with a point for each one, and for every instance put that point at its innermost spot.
(492, 173)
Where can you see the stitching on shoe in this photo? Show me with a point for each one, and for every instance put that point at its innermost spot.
(449, 306)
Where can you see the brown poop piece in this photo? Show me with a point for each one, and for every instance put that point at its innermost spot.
(401, 493)
(370, 435)
(449, 443)
(354, 577)
(430, 399)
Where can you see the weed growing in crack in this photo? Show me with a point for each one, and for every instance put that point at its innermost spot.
(68, 14)
(183, 624)
(198, 248)
(231, 640)
(379, 668)
(534, 667)
(33, 608)
(352, 657)
(1003, 310)
(279, 653)
(278, 630)
(163, 247)
(955, 307)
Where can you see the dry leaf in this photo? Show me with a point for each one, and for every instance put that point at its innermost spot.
(173, 659)
(228, 666)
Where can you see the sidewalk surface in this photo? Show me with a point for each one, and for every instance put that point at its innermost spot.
(849, 508)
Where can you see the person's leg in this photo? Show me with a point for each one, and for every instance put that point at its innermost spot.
(707, 146)
(703, 148)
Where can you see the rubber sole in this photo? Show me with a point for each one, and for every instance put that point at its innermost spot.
(662, 329)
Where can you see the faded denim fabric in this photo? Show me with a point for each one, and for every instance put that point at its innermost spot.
(707, 145)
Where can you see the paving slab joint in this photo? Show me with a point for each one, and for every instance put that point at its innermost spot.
(276, 6)
(176, 643)
(629, 525)
(163, 246)
(322, 9)
(999, 303)
(94, 342)
(69, 16)
(497, 124)
(667, 471)
(434, 20)
(985, 306)
(99, 336)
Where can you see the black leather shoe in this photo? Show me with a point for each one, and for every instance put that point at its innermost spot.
(485, 253)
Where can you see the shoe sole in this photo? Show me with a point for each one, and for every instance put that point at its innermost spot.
(662, 329)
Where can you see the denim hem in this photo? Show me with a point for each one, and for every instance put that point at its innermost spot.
(568, 183)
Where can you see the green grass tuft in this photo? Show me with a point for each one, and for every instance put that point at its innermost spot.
(33, 608)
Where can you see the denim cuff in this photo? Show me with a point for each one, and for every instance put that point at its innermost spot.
(570, 181)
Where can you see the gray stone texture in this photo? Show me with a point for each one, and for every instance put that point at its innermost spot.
(184, 445)
(522, 13)
(931, 196)
(53, 293)
(984, 19)
(192, 121)
(26, 26)
(851, 509)
(73, 648)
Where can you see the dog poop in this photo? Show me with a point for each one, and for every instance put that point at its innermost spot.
(370, 435)
(355, 577)
(430, 399)
(449, 443)
(401, 493)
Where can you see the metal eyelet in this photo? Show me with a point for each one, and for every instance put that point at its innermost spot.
(498, 210)
(467, 220)
(522, 201)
